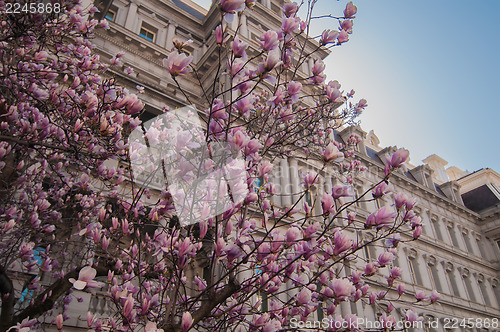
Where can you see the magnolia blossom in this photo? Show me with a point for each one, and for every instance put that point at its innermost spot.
(382, 218)
(328, 36)
(269, 40)
(434, 297)
(385, 258)
(342, 243)
(86, 279)
(59, 321)
(304, 296)
(239, 48)
(341, 191)
(342, 288)
(327, 204)
(332, 153)
(350, 10)
(187, 321)
(289, 9)
(342, 37)
(177, 64)
(232, 6)
(310, 179)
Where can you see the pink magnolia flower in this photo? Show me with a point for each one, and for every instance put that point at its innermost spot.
(289, 9)
(342, 288)
(401, 289)
(292, 235)
(293, 89)
(318, 67)
(393, 241)
(128, 306)
(40, 56)
(342, 37)
(370, 269)
(327, 204)
(410, 203)
(239, 48)
(434, 297)
(382, 218)
(310, 178)
(86, 279)
(304, 296)
(219, 35)
(290, 24)
(342, 243)
(232, 6)
(271, 62)
(398, 158)
(420, 296)
(311, 229)
(417, 232)
(332, 153)
(341, 191)
(269, 40)
(395, 272)
(59, 321)
(177, 64)
(328, 36)
(385, 258)
(333, 93)
(412, 316)
(381, 190)
(346, 25)
(187, 321)
(350, 10)
(400, 200)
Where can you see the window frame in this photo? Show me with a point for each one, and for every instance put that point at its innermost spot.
(148, 29)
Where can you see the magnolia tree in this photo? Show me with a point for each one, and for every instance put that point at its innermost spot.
(182, 224)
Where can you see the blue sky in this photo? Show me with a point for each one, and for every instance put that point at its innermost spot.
(430, 71)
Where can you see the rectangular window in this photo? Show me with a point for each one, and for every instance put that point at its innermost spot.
(111, 14)
(148, 32)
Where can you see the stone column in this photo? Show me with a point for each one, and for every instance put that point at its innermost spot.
(131, 21)
(285, 183)
(311, 65)
(459, 229)
(404, 265)
(275, 179)
(170, 36)
(441, 272)
(423, 270)
(460, 283)
(493, 287)
(243, 25)
(294, 179)
(427, 228)
(162, 36)
(438, 223)
(494, 250)
(473, 241)
(319, 194)
(471, 285)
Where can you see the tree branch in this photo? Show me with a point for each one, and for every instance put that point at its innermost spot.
(206, 308)
(57, 289)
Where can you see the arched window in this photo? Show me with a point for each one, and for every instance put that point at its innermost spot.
(433, 274)
(484, 289)
(468, 284)
(414, 267)
(451, 279)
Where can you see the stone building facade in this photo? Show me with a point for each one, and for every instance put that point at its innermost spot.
(458, 253)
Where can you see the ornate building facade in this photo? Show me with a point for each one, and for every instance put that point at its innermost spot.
(458, 254)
